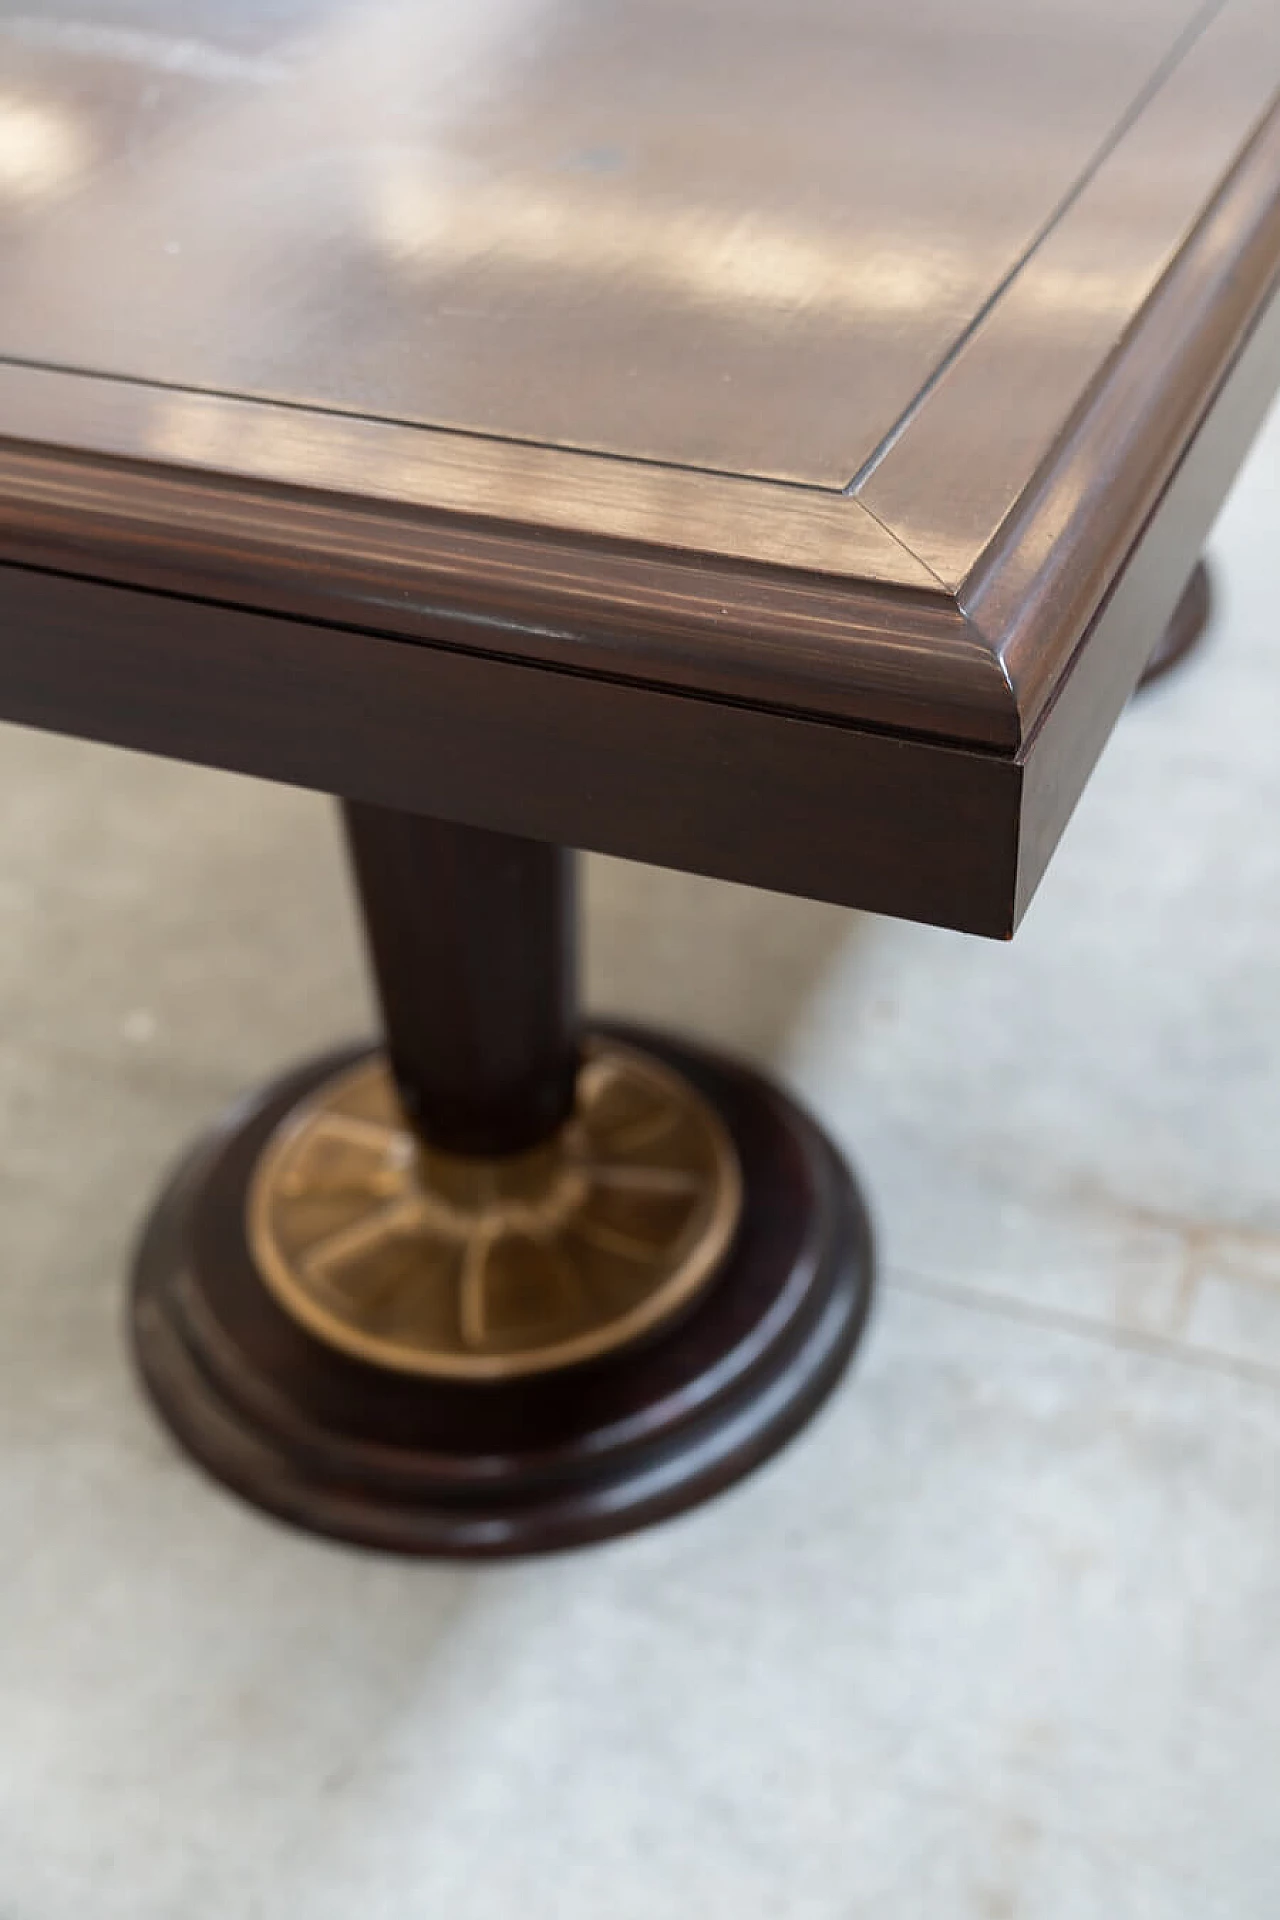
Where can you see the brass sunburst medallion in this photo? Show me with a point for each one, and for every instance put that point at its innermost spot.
(472, 1269)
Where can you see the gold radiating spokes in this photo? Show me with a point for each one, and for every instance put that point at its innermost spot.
(487, 1269)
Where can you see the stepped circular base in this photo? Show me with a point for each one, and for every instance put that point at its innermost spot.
(1186, 628)
(395, 1438)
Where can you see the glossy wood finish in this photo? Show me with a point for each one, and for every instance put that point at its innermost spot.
(1080, 519)
(906, 824)
(386, 1460)
(902, 826)
(764, 439)
(1049, 344)
(473, 940)
(1143, 599)
(716, 591)
(918, 544)
(640, 228)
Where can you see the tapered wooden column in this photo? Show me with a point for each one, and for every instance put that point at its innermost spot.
(473, 941)
(501, 1283)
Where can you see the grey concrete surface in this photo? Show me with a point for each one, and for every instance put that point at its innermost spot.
(994, 1640)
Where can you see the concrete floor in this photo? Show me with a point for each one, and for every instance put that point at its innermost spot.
(996, 1638)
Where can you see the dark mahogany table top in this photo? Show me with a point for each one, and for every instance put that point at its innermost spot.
(763, 436)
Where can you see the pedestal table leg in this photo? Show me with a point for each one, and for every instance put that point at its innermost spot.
(508, 1283)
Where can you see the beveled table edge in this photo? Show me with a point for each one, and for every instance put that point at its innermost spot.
(789, 598)
(736, 589)
(1036, 590)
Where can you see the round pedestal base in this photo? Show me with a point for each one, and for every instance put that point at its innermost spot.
(1185, 630)
(321, 1431)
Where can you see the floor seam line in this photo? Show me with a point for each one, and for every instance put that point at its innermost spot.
(1155, 1346)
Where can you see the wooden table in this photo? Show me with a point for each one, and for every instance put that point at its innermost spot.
(762, 438)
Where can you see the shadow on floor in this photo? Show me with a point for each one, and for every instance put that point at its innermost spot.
(728, 964)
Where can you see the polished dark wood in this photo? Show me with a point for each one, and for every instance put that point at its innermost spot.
(386, 1460)
(924, 653)
(910, 824)
(1086, 704)
(654, 228)
(1186, 629)
(769, 440)
(473, 940)
(775, 596)
(903, 826)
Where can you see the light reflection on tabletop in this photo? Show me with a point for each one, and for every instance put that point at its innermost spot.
(735, 236)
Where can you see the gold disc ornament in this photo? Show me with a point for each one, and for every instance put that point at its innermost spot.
(485, 1269)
